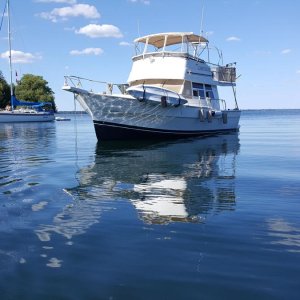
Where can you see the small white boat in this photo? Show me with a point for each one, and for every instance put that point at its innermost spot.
(172, 92)
(62, 119)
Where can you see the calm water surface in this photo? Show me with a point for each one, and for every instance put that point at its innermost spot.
(205, 218)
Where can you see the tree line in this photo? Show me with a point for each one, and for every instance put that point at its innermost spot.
(30, 88)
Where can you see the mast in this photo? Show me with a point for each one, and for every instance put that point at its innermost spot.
(10, 64)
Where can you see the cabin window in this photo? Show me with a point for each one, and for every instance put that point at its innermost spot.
(198, 90)
(201, 93)
(209, 94)
(202, 90)
(197, 85)
(208, 91)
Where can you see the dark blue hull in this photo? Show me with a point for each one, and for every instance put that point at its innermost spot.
(113, 131)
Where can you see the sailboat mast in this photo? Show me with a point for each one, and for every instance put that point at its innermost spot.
(10, 64)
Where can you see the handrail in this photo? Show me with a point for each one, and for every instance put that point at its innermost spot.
(76, 81)
(222, 103)
(167, 54)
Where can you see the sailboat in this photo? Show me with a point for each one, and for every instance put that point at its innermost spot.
(28, 111)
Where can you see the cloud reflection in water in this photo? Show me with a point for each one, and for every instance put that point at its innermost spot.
(284, 234)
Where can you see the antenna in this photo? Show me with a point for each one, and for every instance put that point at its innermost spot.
(201, 28)
(202, 18)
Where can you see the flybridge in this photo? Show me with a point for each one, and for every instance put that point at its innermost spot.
(176, 56)
(184, 45)
(160, 40)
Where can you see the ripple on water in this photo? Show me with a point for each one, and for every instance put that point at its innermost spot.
(215, 217)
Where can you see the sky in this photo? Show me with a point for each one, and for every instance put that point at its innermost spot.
(94, 39)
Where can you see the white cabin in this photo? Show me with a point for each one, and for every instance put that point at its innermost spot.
(172, 61)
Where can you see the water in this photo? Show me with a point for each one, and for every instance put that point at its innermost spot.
(206, 218)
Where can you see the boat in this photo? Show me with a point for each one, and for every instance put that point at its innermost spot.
(25, 115)
(26, 112)
(62, 119)
(23, 111)
(172, 92)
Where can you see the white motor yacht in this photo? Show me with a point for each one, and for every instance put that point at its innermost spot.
(172, 91)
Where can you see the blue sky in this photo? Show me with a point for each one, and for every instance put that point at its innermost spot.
(93, 39)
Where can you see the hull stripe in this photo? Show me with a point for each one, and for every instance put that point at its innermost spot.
(113, 131)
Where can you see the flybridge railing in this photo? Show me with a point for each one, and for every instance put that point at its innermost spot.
(89, 85)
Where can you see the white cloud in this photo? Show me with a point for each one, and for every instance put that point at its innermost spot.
(57, 1)
(77, 10)
(233, 39)
(87, 51)
(125, 44)
(98, 31)
(21, 57)
(286, 51)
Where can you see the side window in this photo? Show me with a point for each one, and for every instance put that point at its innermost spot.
(201, 93)
(198, 90)
(197, 85)
(208, 91)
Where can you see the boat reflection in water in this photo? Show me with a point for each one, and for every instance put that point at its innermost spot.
(183, 181)
(166, 182)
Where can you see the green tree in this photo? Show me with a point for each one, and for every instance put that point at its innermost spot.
(4, 92)
(34, 89)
